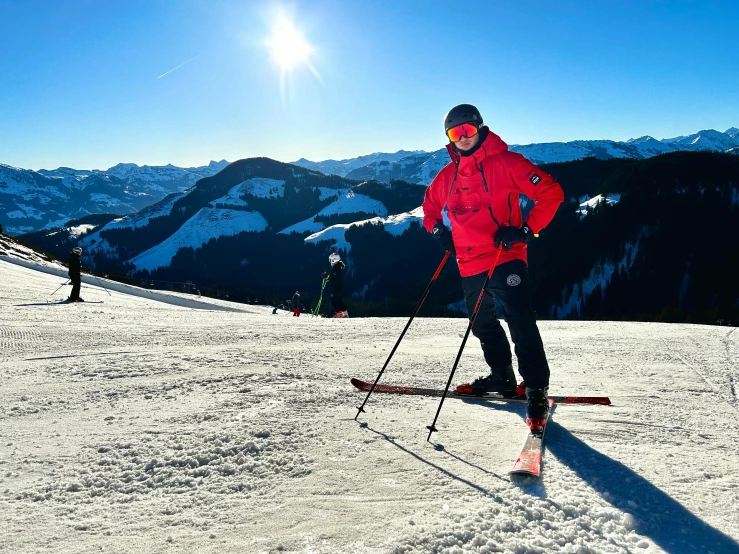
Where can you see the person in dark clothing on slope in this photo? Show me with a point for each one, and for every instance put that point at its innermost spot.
(336, 278)
(480, 189)
(75, 267)
(296, 304)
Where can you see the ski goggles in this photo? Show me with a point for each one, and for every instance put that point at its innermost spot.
(464, 130)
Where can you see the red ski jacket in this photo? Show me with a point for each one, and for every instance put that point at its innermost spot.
(481, 194)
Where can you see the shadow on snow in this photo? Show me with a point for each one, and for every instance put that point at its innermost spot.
(657, 516)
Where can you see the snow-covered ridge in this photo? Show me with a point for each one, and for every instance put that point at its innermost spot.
(343, 167)
(206, 224)
(94, 243)
(34, 200)
(394, 224)
(422, 167)
(256, 186)
(348, 202)
(12, 249)
(587, 203)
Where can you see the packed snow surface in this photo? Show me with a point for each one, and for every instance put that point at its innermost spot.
(137, 426)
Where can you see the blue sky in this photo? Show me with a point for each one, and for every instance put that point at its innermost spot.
(79, 84)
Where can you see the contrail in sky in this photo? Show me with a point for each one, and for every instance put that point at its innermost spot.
(176, 68)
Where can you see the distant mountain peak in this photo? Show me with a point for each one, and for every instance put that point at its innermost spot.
(641, 140)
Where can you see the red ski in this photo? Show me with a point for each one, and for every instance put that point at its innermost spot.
(418, 391)
(529, 460)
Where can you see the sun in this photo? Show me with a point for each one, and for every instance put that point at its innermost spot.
(287, 46)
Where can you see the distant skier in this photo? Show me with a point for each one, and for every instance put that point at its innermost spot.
(480, 188)
(296, 304)
(336, 278)
(75, 267)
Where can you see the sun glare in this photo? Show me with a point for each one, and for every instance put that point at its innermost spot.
(287, 46)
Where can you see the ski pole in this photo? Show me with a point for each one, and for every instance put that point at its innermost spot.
(60, 286)
(320, 298)
(407, 325)
(101, 284)
(432, 427)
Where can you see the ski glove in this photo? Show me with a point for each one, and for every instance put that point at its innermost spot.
(324, 275)
(510, 235)
(444, 236)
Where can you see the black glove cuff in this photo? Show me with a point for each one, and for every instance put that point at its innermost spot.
(528, 234)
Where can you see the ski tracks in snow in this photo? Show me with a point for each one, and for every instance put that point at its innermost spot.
(137, 426)
(727, 368)
(732, 354)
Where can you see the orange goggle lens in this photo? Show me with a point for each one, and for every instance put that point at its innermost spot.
(465, 130)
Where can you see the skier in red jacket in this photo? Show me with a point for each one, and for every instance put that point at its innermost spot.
(480, 189)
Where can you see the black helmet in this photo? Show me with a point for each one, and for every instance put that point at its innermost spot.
(464, 113)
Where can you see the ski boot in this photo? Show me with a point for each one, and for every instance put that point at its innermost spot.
(341, 313)
(502, 381)
(537, 408)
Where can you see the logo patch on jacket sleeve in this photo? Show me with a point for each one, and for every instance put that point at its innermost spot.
(535, 179)
(513, 280)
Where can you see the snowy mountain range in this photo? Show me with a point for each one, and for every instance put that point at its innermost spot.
(343, 167)
(422, 167)
(45, 199)
(254, 195)
(32, 200)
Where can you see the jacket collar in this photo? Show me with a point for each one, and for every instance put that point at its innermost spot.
(492, 145)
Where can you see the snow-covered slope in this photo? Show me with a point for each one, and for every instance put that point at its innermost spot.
(587, 203)
(94, 243)
(394, 224)
(12, 253)
(134, 426)
(11, 248)
(206, 224)
(348, 202)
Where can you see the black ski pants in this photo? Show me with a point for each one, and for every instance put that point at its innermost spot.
(510, 285)
(337, 303)
(76, 284)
